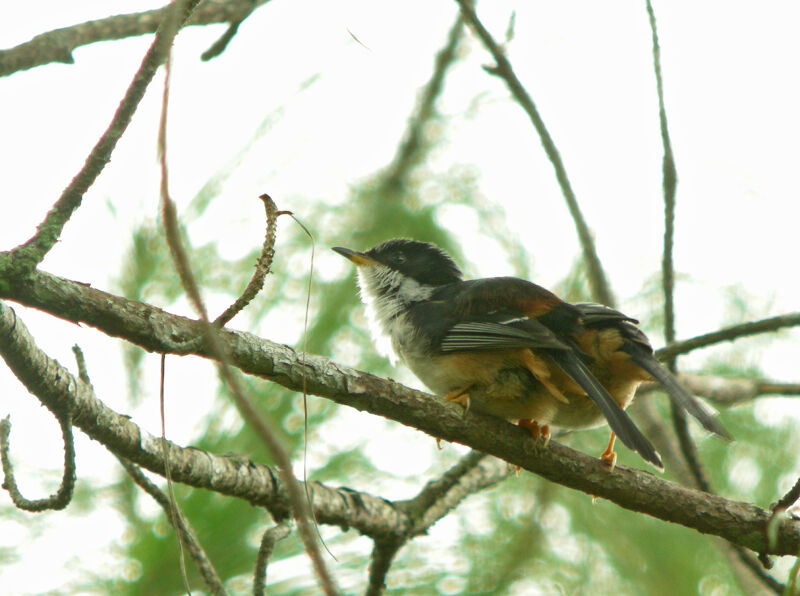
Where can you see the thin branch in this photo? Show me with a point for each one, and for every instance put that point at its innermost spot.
(730, 391)
(269, 539)
(670, 182)
(383, 553)
(729, 334)
(600, 289)
(181, 525)
(26, 257)
(408, 151)
(737, 522)
(789, 499)
(58, 45)
(251, 415)
(62, 497)
(262, 265)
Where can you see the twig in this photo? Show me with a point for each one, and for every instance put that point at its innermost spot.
(269, 539)
(729, 391)
(729, 334)
(383, 553)
(789, 499)
(181, 525)
(219, 46)
(299, 506)
(262, 265)
(670, 181)
(58, 45)
(600, 289)
(27, 256)
(62, 497)
(408, 151)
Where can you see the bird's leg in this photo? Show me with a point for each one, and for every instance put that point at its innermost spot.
(541, 373)
(537, 431)
(609, 455)
(459, 396)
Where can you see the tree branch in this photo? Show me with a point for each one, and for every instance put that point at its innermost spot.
(181, 526)
(147, 326)
(58, 45)
(729, 334)
(598, 284)
(26, 257)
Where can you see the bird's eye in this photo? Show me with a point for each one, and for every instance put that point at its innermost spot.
(399, 258)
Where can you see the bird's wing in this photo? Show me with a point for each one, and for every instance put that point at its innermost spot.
(502, 313)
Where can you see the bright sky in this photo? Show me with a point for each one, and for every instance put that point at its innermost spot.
(731, 97)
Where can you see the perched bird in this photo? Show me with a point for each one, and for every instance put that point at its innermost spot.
(510, 348)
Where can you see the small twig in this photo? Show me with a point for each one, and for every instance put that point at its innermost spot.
(383, 553)
(729, 334)
(409, 150)
(300, 507)
(789, 499)
(181, 526)
(61, 498)
(729, 391)
(436, 489)
(753, 565)
(669, 181)
(27, 256)
(262, 265)
(83, 373)
(269, 539)
(600, 289)
(219, 46)
(58, 45)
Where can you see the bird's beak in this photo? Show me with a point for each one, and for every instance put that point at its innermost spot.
(358, 258)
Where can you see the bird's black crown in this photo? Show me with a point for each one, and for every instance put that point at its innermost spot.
(422, 261)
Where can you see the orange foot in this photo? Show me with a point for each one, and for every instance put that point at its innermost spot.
(609, 455)
(536, 430)
(459, 396)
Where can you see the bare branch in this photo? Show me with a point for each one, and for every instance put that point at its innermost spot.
(729, 334)
(262, 265)
(728, 391)
(27, 256)
(600, 289)
(220, 353)
(58, 45)
(62, 497)
(270, 538)
(181, 525)
(383, 553)
(635, 490)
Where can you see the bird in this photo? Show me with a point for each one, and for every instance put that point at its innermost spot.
(509, 348)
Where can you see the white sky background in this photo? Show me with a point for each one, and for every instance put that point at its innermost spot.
(731, 95)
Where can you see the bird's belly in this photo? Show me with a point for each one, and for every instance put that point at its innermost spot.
(497, 383)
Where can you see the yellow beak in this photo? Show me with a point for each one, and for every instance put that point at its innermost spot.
(358, 258)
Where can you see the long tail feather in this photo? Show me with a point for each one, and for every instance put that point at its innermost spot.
(618, 420)
(678, 394)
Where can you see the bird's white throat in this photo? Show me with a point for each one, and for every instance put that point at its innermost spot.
(387, 294)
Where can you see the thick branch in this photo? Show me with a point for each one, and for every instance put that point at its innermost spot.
(155, 329)
(58, 45)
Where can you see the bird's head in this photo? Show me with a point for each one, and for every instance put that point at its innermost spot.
(403, 269)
